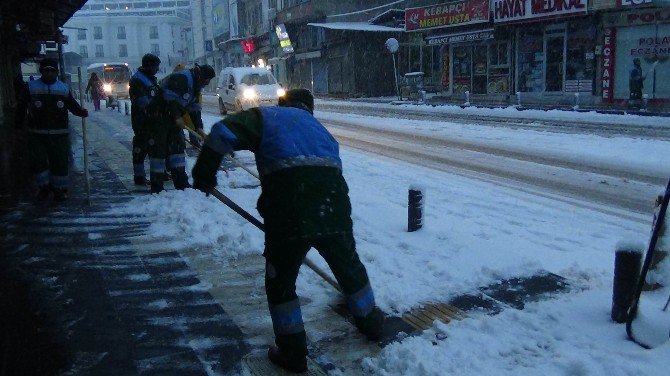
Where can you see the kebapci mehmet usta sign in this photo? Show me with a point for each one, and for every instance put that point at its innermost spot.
(520, 10)
(446, 15)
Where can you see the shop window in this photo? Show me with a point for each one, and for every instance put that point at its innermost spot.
(499, 74)
(649, 44)
(499, 54)
(580, 57)
(480, 69)
(530, 59)
(462, 57)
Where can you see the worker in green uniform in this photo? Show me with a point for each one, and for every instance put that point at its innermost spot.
(178, 100)
(46, 104)
(305, 203)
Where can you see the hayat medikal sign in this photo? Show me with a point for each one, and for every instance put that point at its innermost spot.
(456, 13)
(520, 10)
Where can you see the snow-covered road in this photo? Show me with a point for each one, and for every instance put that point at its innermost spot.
(619, 184)
(591, 158)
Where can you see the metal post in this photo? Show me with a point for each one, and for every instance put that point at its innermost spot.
(645, 101)
(61, 65)
(467, 98)
(395, 74)
(85, 141)
(127, 107)
(414, 209)
(576, 107)
(627, 263)
(518, 98)
(311, 69)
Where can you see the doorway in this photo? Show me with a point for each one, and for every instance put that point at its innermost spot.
(470, 69)
(554, 77)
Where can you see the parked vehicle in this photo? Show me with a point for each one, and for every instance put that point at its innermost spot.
(242, 88)
(115, 80)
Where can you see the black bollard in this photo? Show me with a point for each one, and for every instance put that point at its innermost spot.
(127, 108)
(414, 210)
(627, 264)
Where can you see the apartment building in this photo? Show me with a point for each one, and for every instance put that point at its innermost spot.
(123, 31)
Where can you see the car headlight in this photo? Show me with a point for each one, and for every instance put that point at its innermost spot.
(281, 92)
(107, 88)
(249, 94)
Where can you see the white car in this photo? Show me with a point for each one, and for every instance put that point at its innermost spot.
(242, 88)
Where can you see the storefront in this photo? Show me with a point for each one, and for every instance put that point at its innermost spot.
(642, 34)
(553, 53)
(477, 61)
(465, 51)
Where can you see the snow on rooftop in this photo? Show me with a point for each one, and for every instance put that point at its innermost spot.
(356, 26)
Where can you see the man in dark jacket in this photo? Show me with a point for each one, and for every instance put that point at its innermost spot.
(46, 105)
(305, 204)
(143, 88)
(636, 83)
(179, 97)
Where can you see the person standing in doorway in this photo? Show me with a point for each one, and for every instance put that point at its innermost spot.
(636, 83)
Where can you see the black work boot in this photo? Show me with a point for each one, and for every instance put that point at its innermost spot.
(141, 180)
(60, 194)
(43, 193)
(372, 325)
(296, 364)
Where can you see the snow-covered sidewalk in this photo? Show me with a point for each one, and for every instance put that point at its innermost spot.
(475, 233)
(510, 112)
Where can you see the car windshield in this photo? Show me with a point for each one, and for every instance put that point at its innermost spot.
(258, 79)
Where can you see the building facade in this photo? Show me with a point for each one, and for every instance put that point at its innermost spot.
(497, 51)
(112, 31)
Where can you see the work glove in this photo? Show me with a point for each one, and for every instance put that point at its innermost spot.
(204, 171)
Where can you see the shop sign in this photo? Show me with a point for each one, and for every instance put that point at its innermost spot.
(461, 37)
(637, 17)
(505, 11)
(609, 44)
(456, 13)
(652, 47)
(632, 3)
(284, 40)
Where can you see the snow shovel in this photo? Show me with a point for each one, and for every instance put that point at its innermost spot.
(642, 329)
(231, 204)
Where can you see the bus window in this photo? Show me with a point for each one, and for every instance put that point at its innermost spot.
(116, 74)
